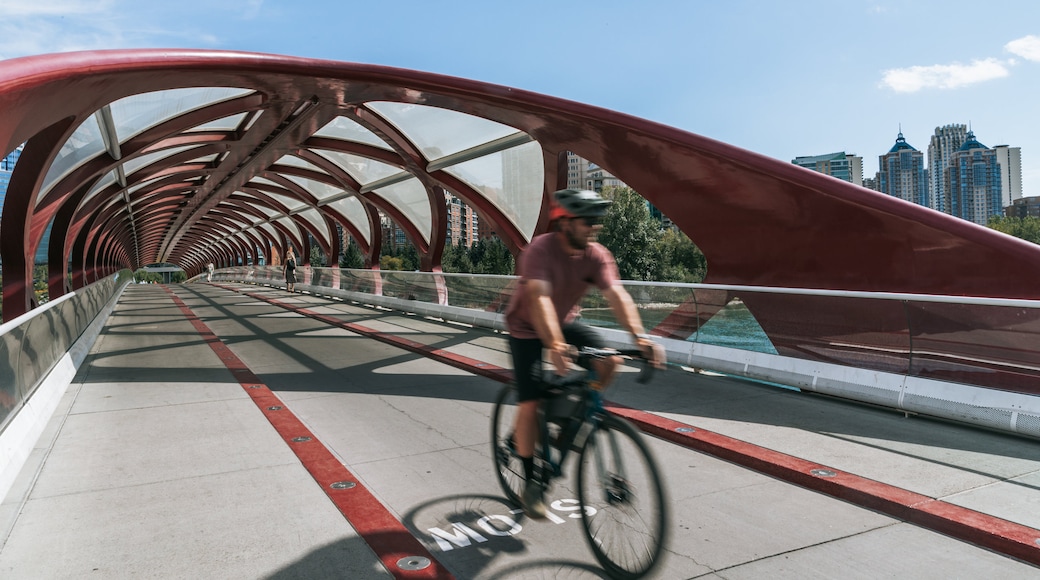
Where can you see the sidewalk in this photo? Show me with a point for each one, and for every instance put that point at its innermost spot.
(159, 464)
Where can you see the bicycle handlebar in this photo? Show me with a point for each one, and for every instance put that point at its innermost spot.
(587, 354)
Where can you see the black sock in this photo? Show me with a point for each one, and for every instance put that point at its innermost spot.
(528, 468)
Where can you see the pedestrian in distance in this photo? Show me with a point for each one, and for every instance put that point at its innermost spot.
(289, 270)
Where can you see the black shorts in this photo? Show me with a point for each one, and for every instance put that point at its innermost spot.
(527, 357)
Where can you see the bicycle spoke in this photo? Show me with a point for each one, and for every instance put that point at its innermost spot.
(508, 468)
(617, 478)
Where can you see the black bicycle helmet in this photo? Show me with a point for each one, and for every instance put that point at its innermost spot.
(572, 203)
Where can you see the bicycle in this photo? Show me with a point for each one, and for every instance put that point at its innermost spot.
(620, 493)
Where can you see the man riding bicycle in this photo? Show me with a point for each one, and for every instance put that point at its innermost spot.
(555, 271)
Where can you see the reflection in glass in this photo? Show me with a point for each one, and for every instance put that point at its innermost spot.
(347, 130)
(410, 198)
(440, 132)
(512, 180)
(362, 169)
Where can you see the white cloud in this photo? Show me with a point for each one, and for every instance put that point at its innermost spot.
(1027, 47)
(943, 76)
(49, 26)
(18, 8)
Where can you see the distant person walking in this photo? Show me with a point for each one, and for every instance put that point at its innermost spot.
(289, 270)
(209, 272)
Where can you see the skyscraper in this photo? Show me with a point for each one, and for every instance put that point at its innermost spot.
(902, 173)
(1010, 160)
(944, 143)
(846, 167)
(577, 167)
(6, 168)
(973, 182)
(462, 222)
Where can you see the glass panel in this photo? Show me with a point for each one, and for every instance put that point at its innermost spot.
(363, 169)
(511, 180)
(347, 130)
(105, 181)
(290, 202)
(134, 188)
(234, 214)
(410, 198)
(318, 189)
(354, 210)
(488, 293)
(440, 132)
(226, 124)
(84, 144)
(294, 161)
(264, 181)
(136, 113)
(313, 217)
(270, 229)
(851, 331)
(992, 346)
(289, 223)
(138, 162)
(261, 206)
(205, 158)
(237, 211)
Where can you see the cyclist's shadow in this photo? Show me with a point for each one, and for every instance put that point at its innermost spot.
(468, 533)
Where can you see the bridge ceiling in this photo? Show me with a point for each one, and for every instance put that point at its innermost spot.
(273, 148)
(148, 156)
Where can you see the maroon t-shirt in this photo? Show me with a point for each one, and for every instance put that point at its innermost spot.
(546, 258)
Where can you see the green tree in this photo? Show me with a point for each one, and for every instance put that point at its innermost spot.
(630, 233)
(352, 257)
(456, 259)
(406, 253)
(680, 259)
(317, 257)
(40, 289)
(1026, 228)
(390, 263)
(491, 256)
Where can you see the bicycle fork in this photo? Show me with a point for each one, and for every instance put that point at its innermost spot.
(614, 482)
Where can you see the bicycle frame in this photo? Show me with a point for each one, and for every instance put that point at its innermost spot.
(587, 418)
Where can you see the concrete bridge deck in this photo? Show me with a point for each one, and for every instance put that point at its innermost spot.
(177, 453)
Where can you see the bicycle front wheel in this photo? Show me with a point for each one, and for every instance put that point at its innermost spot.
(622, 499)
(509, 469)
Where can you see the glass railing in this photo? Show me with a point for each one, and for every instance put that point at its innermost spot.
(987, 342)
(33, 343)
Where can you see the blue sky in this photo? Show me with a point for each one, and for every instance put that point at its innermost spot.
(780, 78)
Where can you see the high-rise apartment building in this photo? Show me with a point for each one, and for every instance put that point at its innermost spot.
(577, 167)
(596, 178)
(944, 143)
(843, 166)
(1010, 160)
(972, 182)
(1024, 206)
(6, 168)
(902, 173)
(462, 222)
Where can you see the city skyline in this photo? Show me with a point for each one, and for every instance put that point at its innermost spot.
(779, 79)
(983, 181)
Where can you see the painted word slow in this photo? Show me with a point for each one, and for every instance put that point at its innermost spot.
(495, 525)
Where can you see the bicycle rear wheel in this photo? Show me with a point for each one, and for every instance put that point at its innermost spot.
(508, 468)
(622, 498)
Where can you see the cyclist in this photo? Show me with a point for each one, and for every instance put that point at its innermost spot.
(555, 271)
